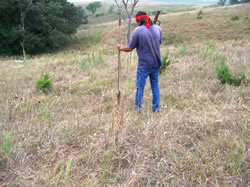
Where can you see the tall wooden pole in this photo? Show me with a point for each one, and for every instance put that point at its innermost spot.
(119, 64)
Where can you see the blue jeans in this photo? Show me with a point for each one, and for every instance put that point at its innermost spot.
(141, 77)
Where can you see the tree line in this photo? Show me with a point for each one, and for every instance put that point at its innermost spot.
(232, 2)
(36, 26)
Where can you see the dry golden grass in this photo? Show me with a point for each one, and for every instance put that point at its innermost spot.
(75, 136)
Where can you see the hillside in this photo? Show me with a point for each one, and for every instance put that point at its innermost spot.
(74, 135)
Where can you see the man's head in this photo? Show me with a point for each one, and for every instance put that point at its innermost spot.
(142, 18)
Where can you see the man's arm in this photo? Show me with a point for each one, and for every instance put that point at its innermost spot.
(124, 48)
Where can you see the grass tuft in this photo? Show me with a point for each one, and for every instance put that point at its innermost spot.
(8, 139)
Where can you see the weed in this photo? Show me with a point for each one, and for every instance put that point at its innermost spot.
(7, 141)
(93, 59)
(182, 50)
(58, 164)
(59, 175)
(68, 168)
(222, 70)
(234, 18)
(96, 37)
(3, 162)
(46, 112)
(107, 159)
(116, 178)
(45, 82)
(225, 76)
(165, 62)
(209, 51)
(84, 64)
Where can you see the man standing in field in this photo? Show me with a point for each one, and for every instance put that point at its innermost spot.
(146, 38)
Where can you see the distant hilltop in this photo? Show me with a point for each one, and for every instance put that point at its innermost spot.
(187, 1)
(160, 1)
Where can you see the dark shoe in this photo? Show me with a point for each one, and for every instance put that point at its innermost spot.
(137, 109)
(156, 110)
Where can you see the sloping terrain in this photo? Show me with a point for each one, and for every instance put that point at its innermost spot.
(74, 135)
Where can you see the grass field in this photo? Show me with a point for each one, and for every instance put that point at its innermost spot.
(74, 135)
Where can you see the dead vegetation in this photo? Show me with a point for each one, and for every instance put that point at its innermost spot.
(75, 136)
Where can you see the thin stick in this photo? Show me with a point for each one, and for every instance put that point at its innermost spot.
(119, 62)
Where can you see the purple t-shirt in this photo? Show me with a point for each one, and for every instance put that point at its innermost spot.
(147, 43)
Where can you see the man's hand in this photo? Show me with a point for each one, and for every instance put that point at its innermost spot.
(121, 47)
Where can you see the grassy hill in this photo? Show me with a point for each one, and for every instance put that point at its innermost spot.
(73, 135)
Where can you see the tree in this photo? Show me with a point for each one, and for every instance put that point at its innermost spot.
(24, 6)
(232, 2)
(35, 26)
(222, 2)
(129, 9)
(111, 9)
(82, 16)
(92, 7)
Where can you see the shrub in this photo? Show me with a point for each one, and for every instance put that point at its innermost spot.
(234, 18)
(45, 83)
(225, 76)
(99, 14)
(165, 62)
(200, 14)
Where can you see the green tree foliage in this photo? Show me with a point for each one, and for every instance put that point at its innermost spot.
(92, 7)
(47, 25)
(222, 2)
(232, 2)
(111, 9)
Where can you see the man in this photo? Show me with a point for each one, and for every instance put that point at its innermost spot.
(146, 39)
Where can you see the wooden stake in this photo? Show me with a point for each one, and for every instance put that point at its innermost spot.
(119, 62)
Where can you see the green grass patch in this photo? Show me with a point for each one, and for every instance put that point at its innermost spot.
(172, 39)
(7, 141)
(93, 59)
